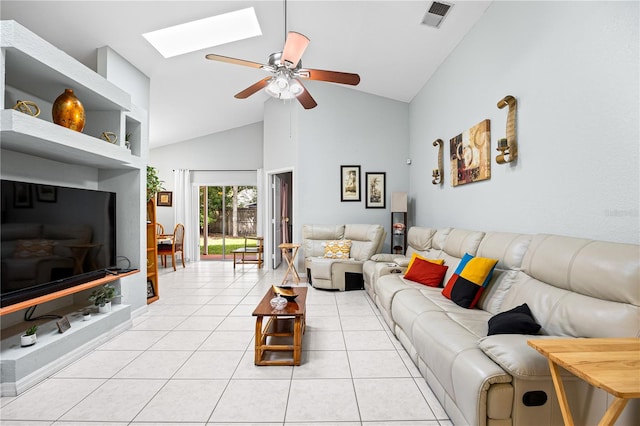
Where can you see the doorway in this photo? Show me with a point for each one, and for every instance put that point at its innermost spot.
(281, 213)
(228, 214)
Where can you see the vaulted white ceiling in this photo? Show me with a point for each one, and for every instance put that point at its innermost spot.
(383, 41)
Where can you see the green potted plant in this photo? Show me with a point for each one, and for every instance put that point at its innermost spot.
(127, 140)
(154, 184)
(29, 337)
(102, 297)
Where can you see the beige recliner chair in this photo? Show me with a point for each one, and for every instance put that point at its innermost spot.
(339, 274)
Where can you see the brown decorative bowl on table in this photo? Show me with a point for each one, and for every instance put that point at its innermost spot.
(286, 292)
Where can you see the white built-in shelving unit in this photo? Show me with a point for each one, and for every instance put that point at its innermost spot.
(34, 149)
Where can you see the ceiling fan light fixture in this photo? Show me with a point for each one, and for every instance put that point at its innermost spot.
(295, 87)
(282, 86)
(282, 82)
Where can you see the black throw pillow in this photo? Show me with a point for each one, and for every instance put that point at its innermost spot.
(515, 321)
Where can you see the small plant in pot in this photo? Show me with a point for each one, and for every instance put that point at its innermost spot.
(102, 297)
(29, 337)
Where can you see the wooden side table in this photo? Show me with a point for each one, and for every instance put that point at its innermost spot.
(289, 253)
(287, 324)
(610, 364)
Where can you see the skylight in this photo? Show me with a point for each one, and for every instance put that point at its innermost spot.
(204, 33)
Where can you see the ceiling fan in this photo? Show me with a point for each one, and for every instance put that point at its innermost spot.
(286, 67)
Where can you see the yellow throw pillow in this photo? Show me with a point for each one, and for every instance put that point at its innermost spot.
(416, 255)
(337, 249)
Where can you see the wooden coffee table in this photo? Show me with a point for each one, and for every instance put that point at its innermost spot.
(611, 364)
(283, 330)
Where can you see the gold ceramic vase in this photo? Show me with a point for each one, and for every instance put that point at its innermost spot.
(68, 111)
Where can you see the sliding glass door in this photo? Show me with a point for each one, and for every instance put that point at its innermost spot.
(228, 214)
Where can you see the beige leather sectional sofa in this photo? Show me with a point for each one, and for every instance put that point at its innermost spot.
(339, 274)
(574, 287)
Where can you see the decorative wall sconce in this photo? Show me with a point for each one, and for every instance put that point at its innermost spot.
(508, 147)
(438, 173)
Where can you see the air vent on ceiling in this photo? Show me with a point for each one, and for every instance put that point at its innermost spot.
(436, 14)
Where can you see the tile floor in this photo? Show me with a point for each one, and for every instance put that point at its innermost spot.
(189, 361)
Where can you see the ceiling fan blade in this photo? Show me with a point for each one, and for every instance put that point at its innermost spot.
(305, 98)
(253, 88)
(330, 76)
(294, 47)
(234, 61)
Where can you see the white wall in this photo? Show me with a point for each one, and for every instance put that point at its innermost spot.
(119, 71)
(236, 149)
(573, 66)
(347, 127)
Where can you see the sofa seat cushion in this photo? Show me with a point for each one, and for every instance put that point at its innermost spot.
(474, 321)
(386, 288)
(408, 305)
(321, 266)
(453, 355)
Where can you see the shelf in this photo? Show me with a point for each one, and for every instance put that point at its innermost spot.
(399, 239)
(30, 135)
(62, 293)
(22, 367)
(36, 66)
(152, 252)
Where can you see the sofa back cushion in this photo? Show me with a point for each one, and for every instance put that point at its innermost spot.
(461, 241)
(426, 242)
(609, 271)
(509, 249)
(366, 240)
(314, 237)
(420, 239)
(579, 287)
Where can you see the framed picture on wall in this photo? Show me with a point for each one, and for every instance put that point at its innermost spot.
(350, 183)
(165, 199)
(470, 154)
(46, 193)
(376, 192)
(22, 195)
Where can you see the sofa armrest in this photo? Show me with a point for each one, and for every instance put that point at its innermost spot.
(384, 257)
(402, 261)
(515, 356)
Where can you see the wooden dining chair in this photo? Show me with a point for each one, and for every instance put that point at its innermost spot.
(175, 247)
(159, 229)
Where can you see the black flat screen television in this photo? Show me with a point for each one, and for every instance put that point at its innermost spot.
(53, 238)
